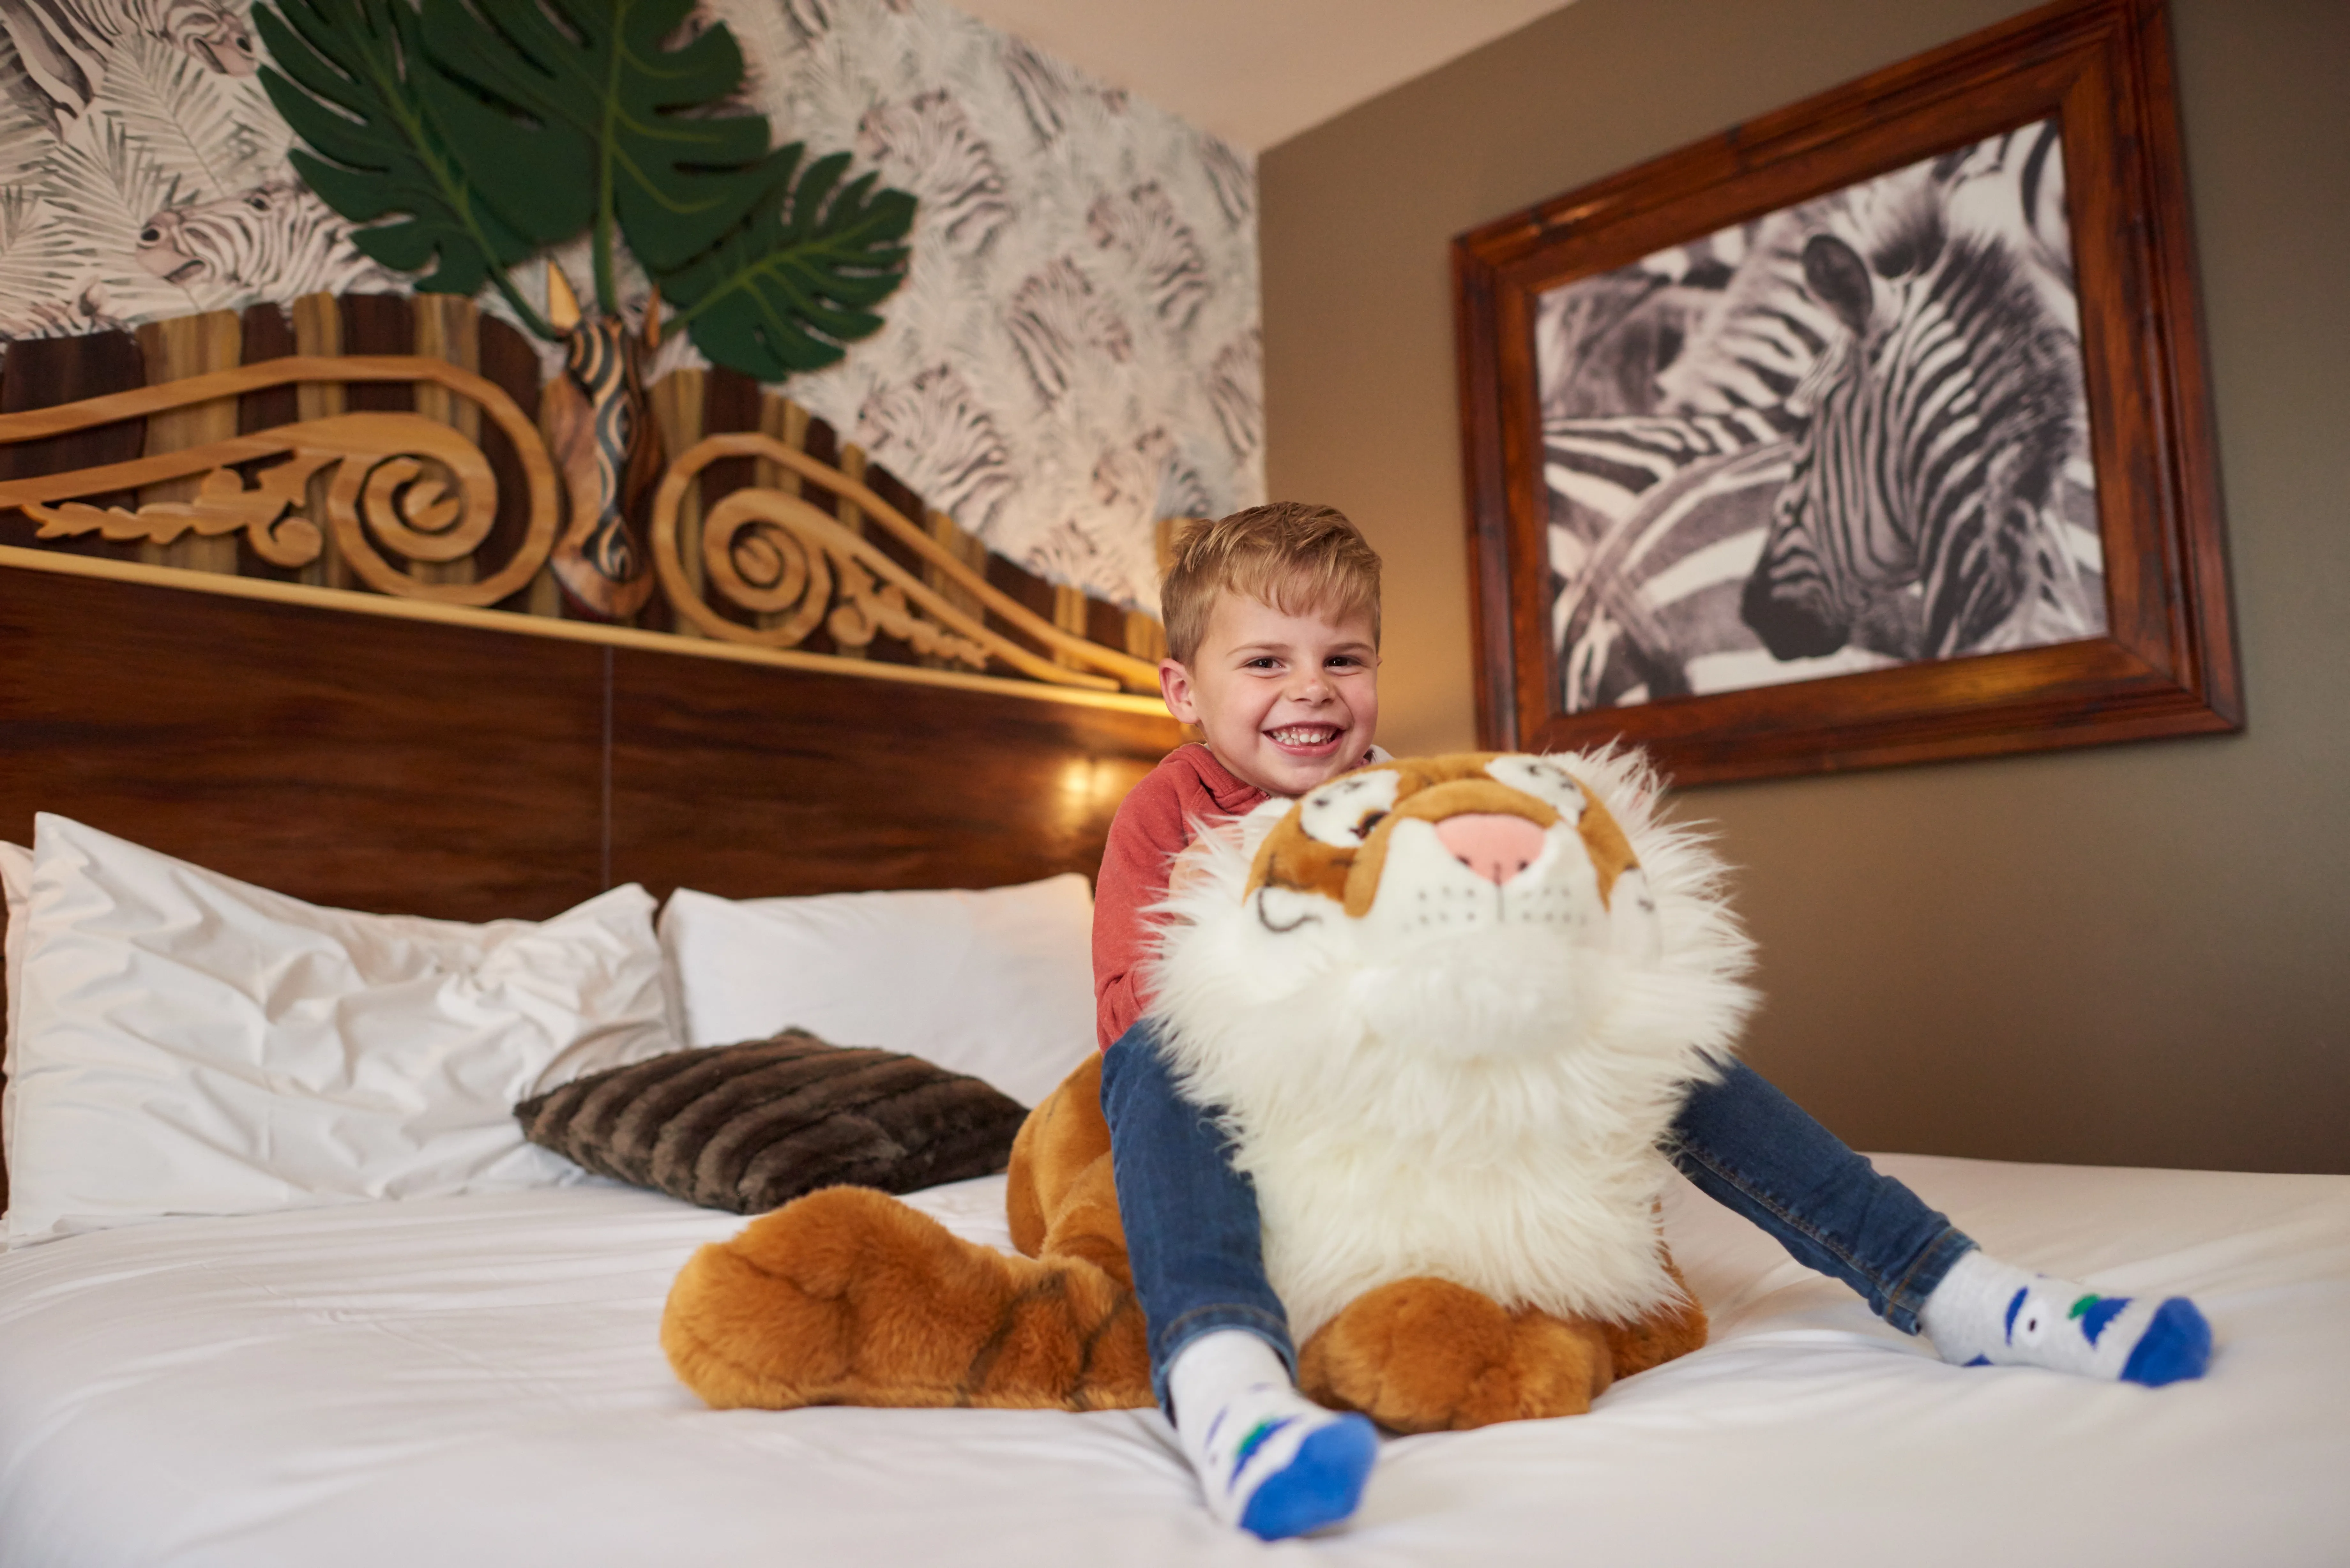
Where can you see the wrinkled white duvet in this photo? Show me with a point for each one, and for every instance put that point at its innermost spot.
(476, 1381)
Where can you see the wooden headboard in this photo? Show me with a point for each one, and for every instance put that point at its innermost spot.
(469, 762)
(471, 773)
(363, 685)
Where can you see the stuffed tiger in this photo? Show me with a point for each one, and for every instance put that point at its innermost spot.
(1448, 1007)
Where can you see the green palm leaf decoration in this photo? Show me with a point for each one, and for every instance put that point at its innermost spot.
(346, 82)
(784, 290)
(600, 86)
(487, 130)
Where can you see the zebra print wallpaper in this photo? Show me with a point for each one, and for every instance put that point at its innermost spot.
(1849, 434)
(1075, 355)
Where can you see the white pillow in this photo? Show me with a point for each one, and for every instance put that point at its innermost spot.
(998, 984)
(192, 1044)
(15, 887)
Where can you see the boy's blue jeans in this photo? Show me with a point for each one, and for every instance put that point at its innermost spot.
(1191, 1224)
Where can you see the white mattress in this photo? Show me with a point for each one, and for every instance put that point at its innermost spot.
(476, 1381)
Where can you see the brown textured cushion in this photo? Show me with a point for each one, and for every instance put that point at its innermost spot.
(750, 1127)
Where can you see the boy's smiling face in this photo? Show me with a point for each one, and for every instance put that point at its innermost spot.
(1289, 701)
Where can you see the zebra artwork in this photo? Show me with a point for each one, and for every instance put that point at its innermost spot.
(1848, 434)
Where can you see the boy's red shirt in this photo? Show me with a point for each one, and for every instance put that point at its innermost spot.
(1152, 826)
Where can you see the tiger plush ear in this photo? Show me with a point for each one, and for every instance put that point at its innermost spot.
(1839, 280)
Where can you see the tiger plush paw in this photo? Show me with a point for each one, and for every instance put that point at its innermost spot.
(1428, 1356)
(849, 1297)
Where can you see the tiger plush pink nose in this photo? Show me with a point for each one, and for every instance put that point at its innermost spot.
(1495, 845)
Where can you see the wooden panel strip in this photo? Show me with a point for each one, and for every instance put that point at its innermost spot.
(448, 329)
(318, 331)
(378, 323)
(176, 349)
(1145, 636)
(268, 335)
(1105, 623)
(509, 361)
(41, 372)
(786, 422)
(850, 462)
(680, 401)
(1070, 615)
(953, 586)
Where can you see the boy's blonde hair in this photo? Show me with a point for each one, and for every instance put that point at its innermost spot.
(1286, 554)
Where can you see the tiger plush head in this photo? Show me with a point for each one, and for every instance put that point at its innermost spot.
(1492, 886)
(1448, 1007)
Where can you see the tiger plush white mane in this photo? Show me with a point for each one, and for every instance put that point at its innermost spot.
(1448, 1007)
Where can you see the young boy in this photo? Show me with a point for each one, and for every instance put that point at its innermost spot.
(1272, 632)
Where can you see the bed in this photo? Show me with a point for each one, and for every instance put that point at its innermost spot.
(476, 1378)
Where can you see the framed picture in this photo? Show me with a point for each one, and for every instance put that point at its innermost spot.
(1872, 432)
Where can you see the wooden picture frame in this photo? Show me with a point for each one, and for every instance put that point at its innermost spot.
(2163, 664)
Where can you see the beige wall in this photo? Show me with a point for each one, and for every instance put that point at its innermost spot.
(2126, 954)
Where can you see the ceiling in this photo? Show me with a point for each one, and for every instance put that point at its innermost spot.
(1257, 72)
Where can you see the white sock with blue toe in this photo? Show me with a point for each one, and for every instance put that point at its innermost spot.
(1270, 1460)
(1987, 1313)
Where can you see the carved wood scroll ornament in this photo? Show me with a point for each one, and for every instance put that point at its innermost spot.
(774, 554)
(401, 481)
(408, 486)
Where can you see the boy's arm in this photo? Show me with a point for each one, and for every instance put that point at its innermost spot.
(1144, 839)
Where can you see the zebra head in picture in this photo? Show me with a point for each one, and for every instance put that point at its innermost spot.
(63, 46)
(1935, 429)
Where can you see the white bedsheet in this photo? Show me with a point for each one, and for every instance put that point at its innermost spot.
(477, 1381)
